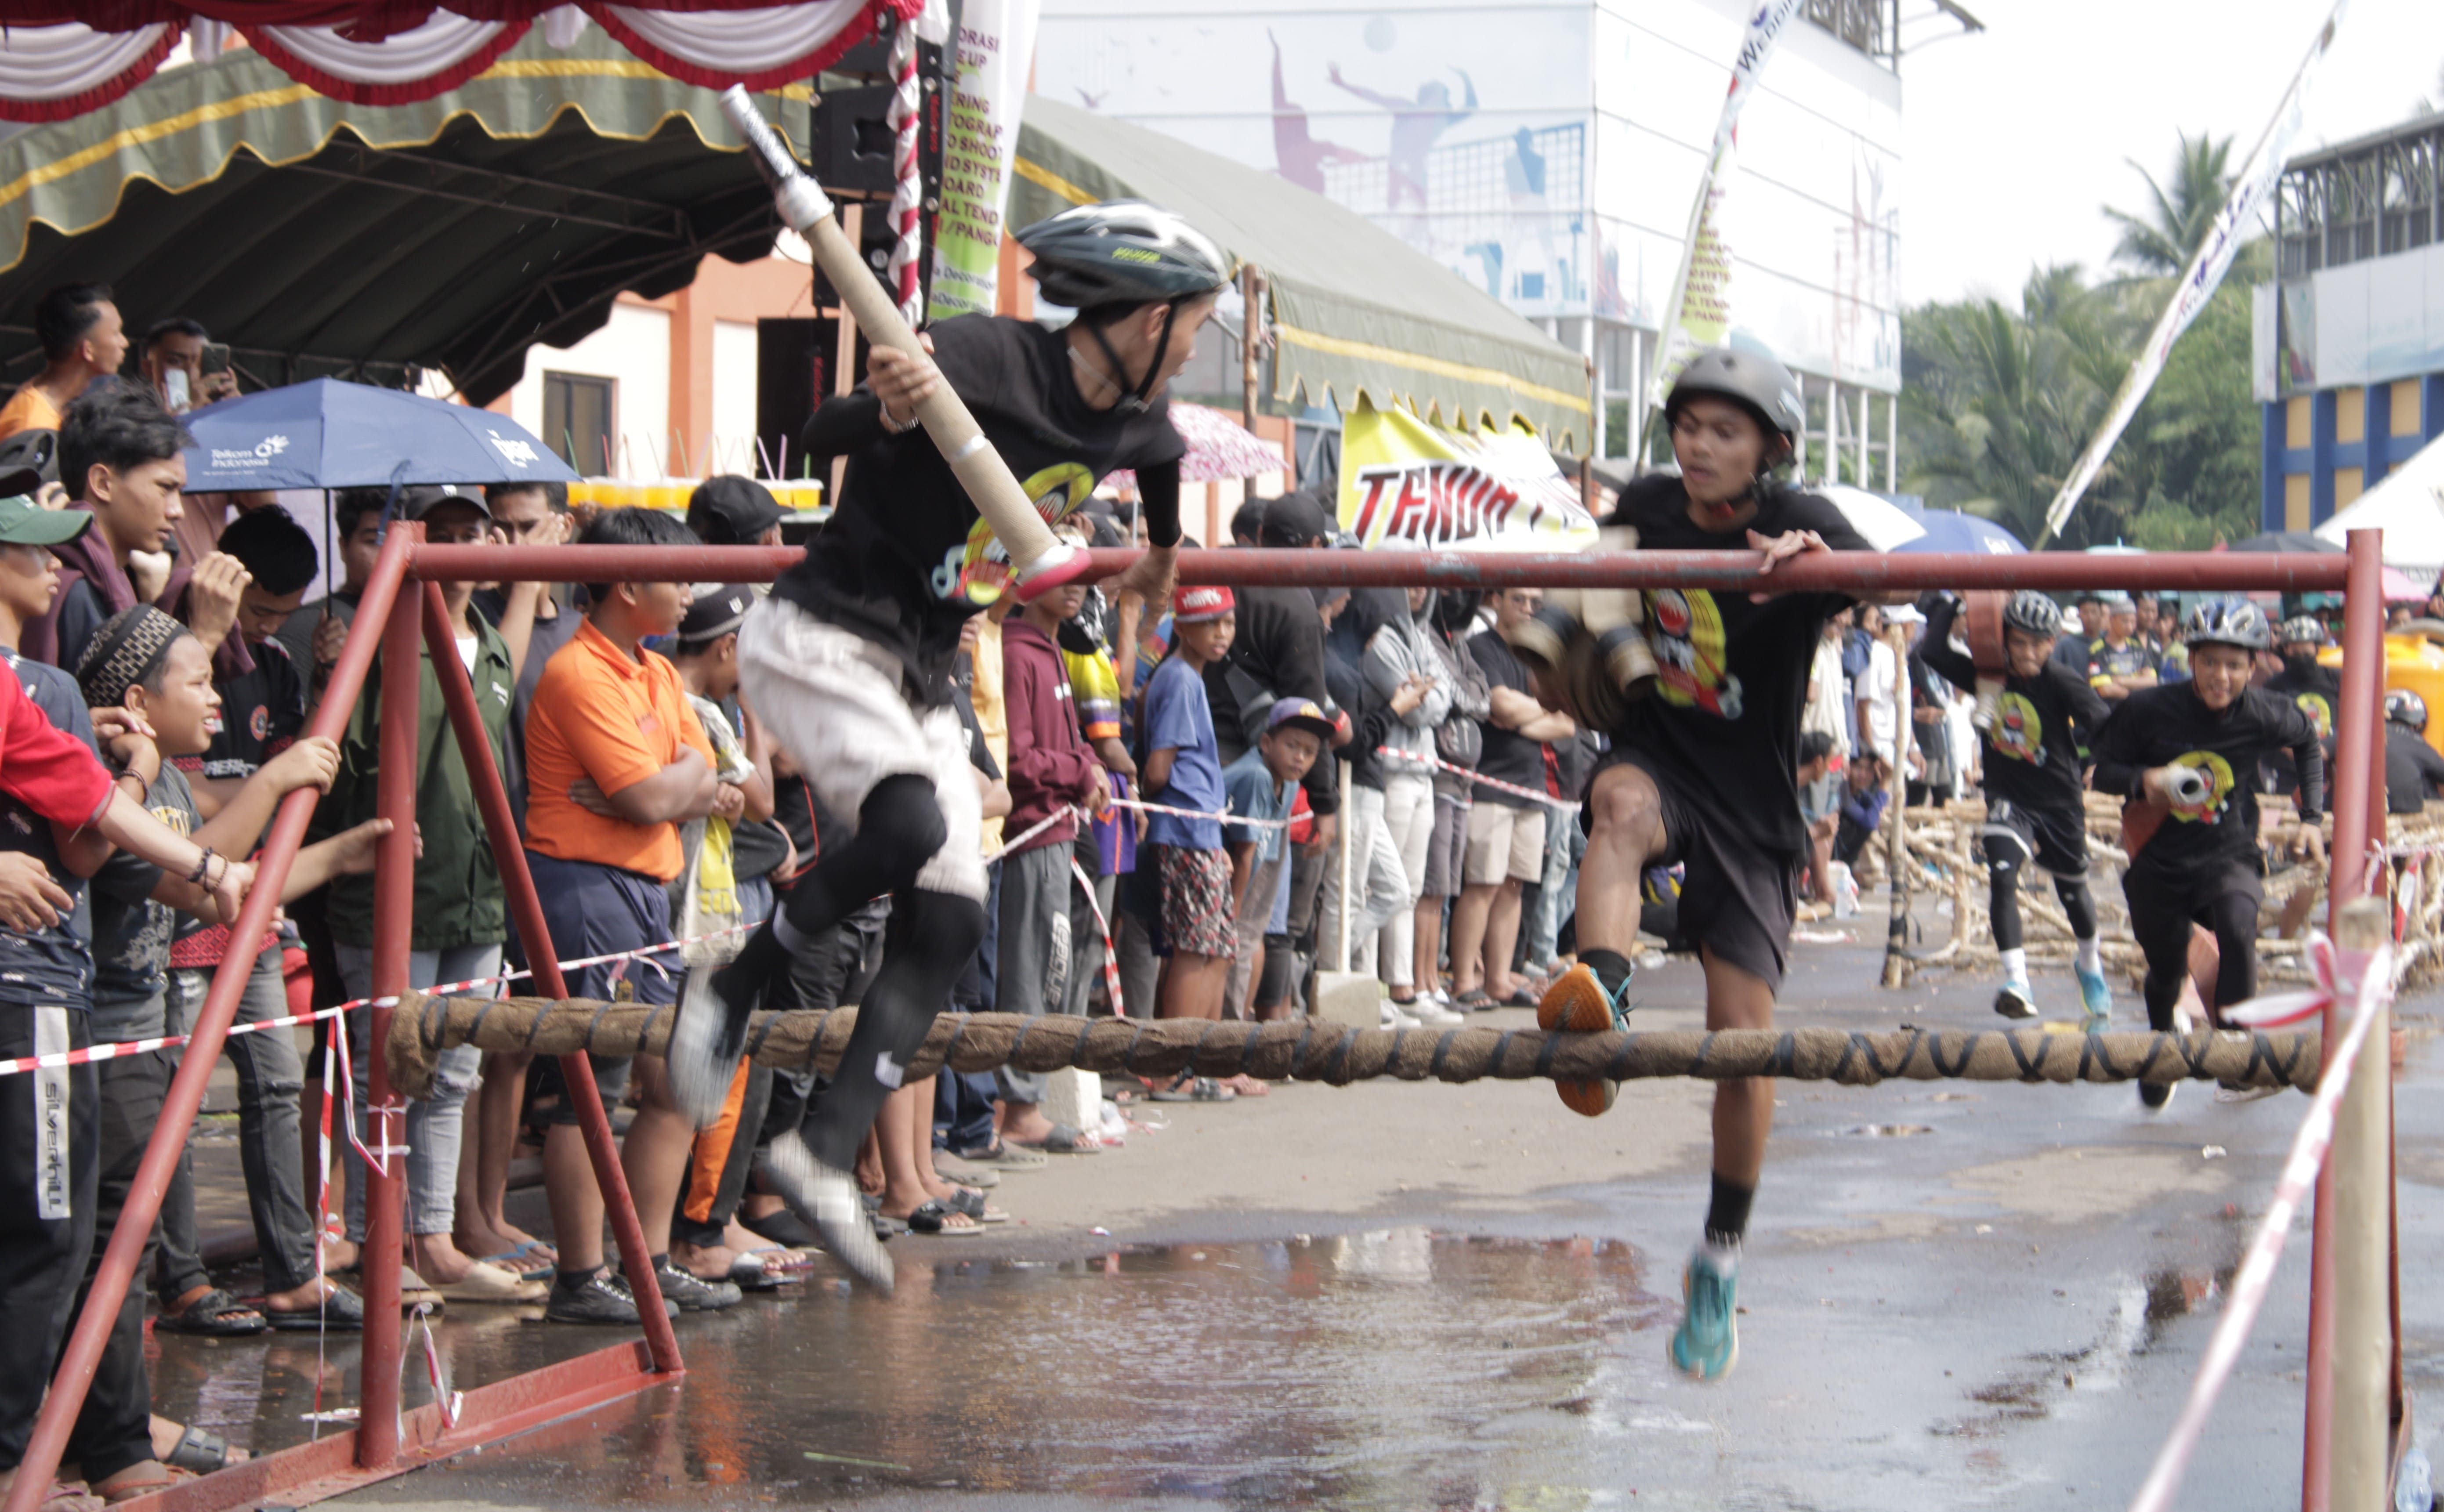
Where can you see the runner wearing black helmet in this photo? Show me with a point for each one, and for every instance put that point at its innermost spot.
(1701, 771)
(2316, 687)
(2181, 755)
(848, 662)
(2413, 772)
(2035, 802)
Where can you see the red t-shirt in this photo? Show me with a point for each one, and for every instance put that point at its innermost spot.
(48, 770)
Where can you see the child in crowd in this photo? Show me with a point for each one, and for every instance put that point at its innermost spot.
(615, 762)
(1183, 870)
(1052, 769)
(1260, 785)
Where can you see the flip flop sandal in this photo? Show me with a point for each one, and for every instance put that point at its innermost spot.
(933, 1218)
(200, 1452)
(1006, 1155)
(518, 1260)
(1062, 1140)
(747, 1273)
(975, 1205)
(342, 1312)
(784, 1229)
(214, 1315)
(1472, 1001)
(1188, 1087)
(886, 1229)
(1522, 998)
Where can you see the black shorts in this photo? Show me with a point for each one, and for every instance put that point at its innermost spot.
(1738, 899)
(2054, 840)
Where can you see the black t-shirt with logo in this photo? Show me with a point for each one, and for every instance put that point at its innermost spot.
(1508, 757)
(904, 558)
(2173, 726)
(263, 711)
(54, 967)
(1722, 725)
(2318, 693)
(2032, 749)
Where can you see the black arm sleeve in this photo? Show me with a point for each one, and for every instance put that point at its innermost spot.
(1158, 490)
(2088, 712)
(2119, 766)
(842, 424)
(1936, 649)
(2310, 754)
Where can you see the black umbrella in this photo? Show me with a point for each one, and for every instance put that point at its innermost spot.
(2286, 541)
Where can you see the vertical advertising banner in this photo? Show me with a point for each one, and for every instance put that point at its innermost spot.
(1408, 485)
(995, 43)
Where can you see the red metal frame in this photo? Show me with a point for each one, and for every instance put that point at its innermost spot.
(389, 1442)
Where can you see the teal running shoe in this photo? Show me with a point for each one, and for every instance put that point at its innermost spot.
(2017, 1000)
(1707, 1344)
(2099, 997)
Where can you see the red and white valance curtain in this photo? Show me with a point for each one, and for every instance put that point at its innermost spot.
(61, 58)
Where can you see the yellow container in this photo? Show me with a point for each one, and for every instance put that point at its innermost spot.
(807, 497)
(2414, 662)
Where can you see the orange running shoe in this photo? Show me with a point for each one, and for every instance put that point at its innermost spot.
(1576, 1002)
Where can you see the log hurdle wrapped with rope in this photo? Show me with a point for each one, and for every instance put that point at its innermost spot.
(1314, 1050)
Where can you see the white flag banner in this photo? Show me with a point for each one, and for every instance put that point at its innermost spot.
(997, 43)
(1698, 313)
(2250, 192)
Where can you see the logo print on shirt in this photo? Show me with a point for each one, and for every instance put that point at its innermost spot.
(1686, 633)
(2218, 786)
(979, 569)
(2319, 713)
(2018, 734)
(259, 723)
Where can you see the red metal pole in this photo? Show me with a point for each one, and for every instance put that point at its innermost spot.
(2231, 571)
(2358, 751)
(186, 1093)
(458, 696)
(385, 1119)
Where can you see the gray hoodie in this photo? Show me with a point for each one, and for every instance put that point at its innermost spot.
(1399, 651)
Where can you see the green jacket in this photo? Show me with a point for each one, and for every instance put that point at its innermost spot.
(458, 895)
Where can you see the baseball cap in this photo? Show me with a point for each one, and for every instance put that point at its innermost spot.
(1301, 713)
(1296, 519)
(719, 608)
(1198, 605)
(27, 460)
(732, 511)
(1901, 614)
(22, 523)
(421, 500)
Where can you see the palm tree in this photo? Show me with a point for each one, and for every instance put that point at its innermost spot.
(2160, 243)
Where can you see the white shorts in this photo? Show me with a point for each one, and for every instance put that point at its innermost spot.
(832, 698)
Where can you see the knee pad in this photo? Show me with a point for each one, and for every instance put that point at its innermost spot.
(901, 825)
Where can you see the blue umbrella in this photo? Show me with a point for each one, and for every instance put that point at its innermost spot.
(331, 434)
(1949, 530)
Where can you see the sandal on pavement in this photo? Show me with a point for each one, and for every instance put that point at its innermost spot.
(342, 1312)
(493, 1284)
(974, 1205)
(214, 1315)
(1062, 1140)
(202, 1453)
(1006, 1154)
(784, 1229)
(525, 1261)
(931, 1217)
(1188, 1087)
(1472, 1001)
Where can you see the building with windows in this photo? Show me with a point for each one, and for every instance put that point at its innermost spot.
(1550, 154)
(2349, 355)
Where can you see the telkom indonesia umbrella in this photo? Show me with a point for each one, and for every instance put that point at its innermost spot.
(1949, 530)
(331, 434)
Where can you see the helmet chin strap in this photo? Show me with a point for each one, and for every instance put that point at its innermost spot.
(1138, 401)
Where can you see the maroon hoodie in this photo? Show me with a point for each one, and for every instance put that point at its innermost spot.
(1050, 763)
(87, 560)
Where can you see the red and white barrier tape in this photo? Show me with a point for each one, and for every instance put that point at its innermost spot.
(1111, 953)
(1478, 778)
(1223, 816)
(2308, 1148)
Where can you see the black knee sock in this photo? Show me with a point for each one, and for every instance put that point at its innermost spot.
(2003, 902)
(929, 940)
(1726, 1213)
(900, 827)
(1611, 968)
(2078, 906)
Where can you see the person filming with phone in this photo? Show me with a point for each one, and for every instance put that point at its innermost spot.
(186, 366)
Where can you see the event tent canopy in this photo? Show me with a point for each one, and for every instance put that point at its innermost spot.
(2408, 506)
(352, 240)
(1357, 311)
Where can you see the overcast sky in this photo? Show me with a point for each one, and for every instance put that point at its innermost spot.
(2015, 137)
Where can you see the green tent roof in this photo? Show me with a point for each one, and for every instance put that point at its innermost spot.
(1357, 312)
(323, 237)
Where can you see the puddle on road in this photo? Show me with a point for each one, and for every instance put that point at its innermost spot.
(1390, 1368)
(2047, 1383)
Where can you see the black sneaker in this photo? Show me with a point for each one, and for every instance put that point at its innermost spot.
(707, 1037)
(692, 1294)
(620, 1283)
(829, 1201)
(602, 1297)
(2153, 1094)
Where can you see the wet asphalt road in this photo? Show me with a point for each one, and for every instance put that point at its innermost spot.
(1955, 1295)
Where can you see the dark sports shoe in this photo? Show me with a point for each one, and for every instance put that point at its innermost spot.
(692, 1294)
(707, 1038)
(829, 1200)
(602, 1297)
(2153, 1094)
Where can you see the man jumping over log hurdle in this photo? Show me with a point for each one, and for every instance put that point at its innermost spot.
(1702, 771)
(2036, 808)
(848, 662)
(2182, 756)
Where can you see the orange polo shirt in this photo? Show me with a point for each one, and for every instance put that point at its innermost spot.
(598, 715)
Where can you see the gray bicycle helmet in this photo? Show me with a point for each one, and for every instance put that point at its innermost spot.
(1125, 254)
(2300, 630)
(1750, 378)
(2402, 707)
(2227, 622)
(2033, 612)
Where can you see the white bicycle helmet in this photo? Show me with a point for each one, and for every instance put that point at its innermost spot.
(2227, 622)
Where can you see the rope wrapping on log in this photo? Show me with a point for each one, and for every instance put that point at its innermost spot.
(1314, 1050)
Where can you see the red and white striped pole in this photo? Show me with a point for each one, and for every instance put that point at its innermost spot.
(907, 188)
